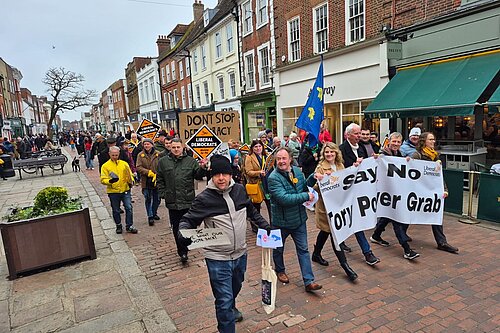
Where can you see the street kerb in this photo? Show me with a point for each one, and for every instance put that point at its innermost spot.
(204, 142)
(147, 129)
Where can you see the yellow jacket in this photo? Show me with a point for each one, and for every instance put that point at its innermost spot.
(122, 170)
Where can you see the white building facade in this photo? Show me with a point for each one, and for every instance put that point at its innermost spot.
(148, 85)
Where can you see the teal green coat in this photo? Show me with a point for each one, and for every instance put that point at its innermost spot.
(287, 199)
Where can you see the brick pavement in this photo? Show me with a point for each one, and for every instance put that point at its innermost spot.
(438, 292)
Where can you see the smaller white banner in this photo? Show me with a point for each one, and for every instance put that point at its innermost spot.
(272, 241)
(205, 237)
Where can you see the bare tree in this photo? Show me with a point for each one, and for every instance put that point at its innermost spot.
(67, 92)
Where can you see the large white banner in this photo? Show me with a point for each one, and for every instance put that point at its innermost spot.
(408, 192)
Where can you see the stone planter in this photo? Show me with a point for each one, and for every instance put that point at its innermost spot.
(46, 241)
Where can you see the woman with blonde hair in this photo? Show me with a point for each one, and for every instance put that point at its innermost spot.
(330, 161)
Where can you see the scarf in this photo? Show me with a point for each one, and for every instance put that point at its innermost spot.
(430, 152)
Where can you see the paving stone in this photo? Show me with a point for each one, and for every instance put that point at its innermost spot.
(159, 322)
(101, 302)
(102, 213)
(138, 285)
(135, 327)
(21, 302)
(4, 316)
(93, 283)
(105, 323)
(28, 315)
(97, 266)
(120, 246)
(55, 322)
(278, 319)
(147, 303)
(294, 321)
(127, 265)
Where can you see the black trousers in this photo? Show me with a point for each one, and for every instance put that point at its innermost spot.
(320, 243)
(401, 228)
(175, 217)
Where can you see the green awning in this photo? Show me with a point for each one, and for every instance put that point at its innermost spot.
(495, 98)
(442, 88)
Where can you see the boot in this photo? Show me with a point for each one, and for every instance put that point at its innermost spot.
(349, 272)
(316, 257)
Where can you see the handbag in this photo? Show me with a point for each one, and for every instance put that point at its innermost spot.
(255, 192)
(269, 282)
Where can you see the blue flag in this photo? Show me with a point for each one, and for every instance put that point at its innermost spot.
(312, 115)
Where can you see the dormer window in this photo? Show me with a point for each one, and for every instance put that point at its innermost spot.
(206, 18)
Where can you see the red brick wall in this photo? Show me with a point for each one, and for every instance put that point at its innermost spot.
(398, 13)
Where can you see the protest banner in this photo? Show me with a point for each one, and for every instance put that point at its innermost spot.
(245, 149)
(223, 150)
(204, 142)
(147, 129)
(205, 237)
(407, 192)
(224, 124)
(272, 241)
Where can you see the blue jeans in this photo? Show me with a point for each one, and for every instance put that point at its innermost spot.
(226, 278)
(363, 243)
(152, 201)
(116, 199)
(88, 162)
(299, 237)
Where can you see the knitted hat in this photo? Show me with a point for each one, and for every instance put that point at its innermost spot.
(148, 140)
(415, 131)
(220, 164)
(233, 153)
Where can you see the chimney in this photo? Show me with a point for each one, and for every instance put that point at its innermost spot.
(163, 43)
(198, 9)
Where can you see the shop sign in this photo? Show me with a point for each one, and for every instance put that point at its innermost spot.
(148, 129)
(204, 142)
(226, 125)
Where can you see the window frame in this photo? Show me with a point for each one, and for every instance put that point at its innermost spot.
(181, 69)
(206, 92)
(174, 76)
(250, 55)
(315, 28)
(247, 10)
(218, 44)
(222, 90)
(261, 48)
(291, 58)
(203, 57)
(232, 84)
(348, 18)
(167, 69)
(229, 38)
(163, 75)
(259, 8)
(198, 94)
(195, 60)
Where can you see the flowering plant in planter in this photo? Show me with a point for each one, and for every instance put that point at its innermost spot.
(49, 201)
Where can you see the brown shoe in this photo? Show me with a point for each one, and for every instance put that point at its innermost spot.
(313, 287)
(282, 277)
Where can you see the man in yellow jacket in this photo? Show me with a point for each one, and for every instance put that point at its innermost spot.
(118, 178)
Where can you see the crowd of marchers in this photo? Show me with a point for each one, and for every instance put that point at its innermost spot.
(274, 171)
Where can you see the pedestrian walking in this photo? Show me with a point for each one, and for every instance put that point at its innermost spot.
(224, 204)
(89, 158)
(353, 152)
(395, 140)
(147, 164)
(288, 189)
(426, 151)
(118, 178)
(175, 180)
(330, 161)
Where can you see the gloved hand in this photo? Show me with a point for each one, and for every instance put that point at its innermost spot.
(153, 176)
(113, 180)
(268, 229)
(183, 240)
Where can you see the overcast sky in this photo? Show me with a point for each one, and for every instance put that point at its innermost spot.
(96, 38)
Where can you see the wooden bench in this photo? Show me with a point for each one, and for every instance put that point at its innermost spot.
(34, 164)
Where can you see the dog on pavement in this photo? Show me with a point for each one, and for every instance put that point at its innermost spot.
(75, 164)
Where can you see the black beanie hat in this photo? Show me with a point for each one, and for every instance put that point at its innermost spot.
(220, 164)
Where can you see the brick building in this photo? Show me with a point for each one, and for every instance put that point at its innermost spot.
(120, 106)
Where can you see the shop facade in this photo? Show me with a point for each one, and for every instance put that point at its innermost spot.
(259, 112)
(352, 79)
(445, 81)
